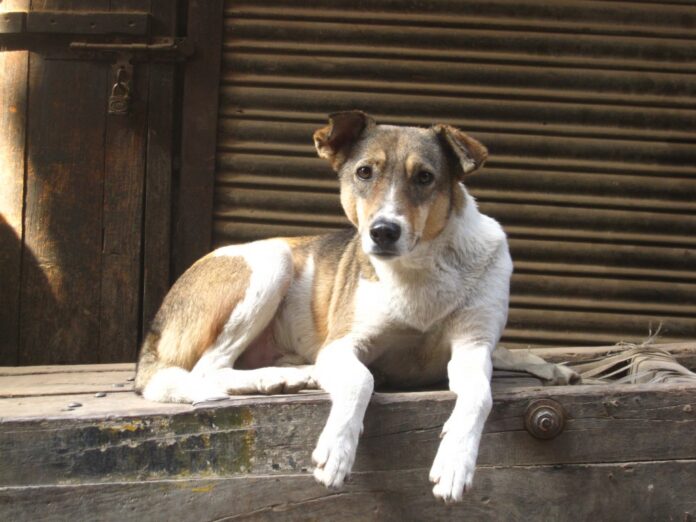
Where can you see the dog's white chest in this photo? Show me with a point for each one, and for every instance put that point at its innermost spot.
(416, 305)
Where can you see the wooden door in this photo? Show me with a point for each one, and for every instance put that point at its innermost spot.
(84, 195)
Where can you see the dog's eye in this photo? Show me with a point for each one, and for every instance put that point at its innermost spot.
(424, 177)
(364, 172)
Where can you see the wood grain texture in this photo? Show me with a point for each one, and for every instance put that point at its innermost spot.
(13, 106)
(63, 214)
(124, 179)
(194, 203)
(158, 195)
(248, 458)
(124, 187)
(126, 438)
(63, 224)
(65, 383)
(639, 491)
(82, 281)
(158, 182)
(65, 368)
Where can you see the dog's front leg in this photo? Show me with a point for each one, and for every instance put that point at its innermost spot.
(349, 383)
(469, 373)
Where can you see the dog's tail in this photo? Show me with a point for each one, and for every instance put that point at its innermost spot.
(158, 381)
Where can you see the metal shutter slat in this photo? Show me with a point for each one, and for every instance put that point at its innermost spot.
(588, 109)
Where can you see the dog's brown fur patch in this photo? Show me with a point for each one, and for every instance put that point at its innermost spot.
(438, 214)
(339, 264)
(195, 310)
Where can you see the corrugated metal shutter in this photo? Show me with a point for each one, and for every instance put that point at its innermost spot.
(588, 109)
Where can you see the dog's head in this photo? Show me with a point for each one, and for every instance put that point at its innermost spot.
(399, 185)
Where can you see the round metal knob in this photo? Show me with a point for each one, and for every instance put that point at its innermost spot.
(545, 419)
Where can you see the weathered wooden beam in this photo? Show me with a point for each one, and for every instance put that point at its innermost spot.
(626, 491)
(122, 437)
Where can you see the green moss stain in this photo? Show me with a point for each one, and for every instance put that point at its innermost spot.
(209, 443)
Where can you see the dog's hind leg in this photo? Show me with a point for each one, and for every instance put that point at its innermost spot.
(209, 318)
(272, 273)
(526, 361)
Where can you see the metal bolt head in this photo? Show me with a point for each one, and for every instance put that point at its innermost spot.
(545, 419)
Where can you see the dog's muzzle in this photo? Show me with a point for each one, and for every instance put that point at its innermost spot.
(385, 235)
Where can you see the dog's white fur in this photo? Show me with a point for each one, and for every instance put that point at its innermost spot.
(450, 293)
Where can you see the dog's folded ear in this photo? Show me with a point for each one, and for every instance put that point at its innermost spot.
(334, 141)
(471, 153)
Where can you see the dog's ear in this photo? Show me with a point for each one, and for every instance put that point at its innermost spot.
(471, 153)
(334, 141)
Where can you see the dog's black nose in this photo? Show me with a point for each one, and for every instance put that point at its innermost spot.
(385, 233)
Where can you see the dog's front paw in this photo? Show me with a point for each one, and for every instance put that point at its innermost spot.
(334, 457)
(453, 468)
(563, 375)
(207, 392)
(274, 381)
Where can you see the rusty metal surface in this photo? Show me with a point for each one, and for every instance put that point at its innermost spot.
(588, 109)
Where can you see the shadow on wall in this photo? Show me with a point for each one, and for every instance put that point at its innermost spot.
(18, 266)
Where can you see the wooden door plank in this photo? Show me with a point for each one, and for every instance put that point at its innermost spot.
(13, 111)
(626, 491)
(158, 182)
(124, 179)
(60, 303)
(123, 208)
(194, 204)
(158, 198)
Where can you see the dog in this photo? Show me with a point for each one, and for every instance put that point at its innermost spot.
(416, 292)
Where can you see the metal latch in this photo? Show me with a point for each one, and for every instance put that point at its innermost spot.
(50, 31)
(125, 55)
(158, 50)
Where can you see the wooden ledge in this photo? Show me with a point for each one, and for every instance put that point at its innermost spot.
(624, 449)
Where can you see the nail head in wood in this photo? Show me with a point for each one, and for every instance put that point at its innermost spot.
(545, 419)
